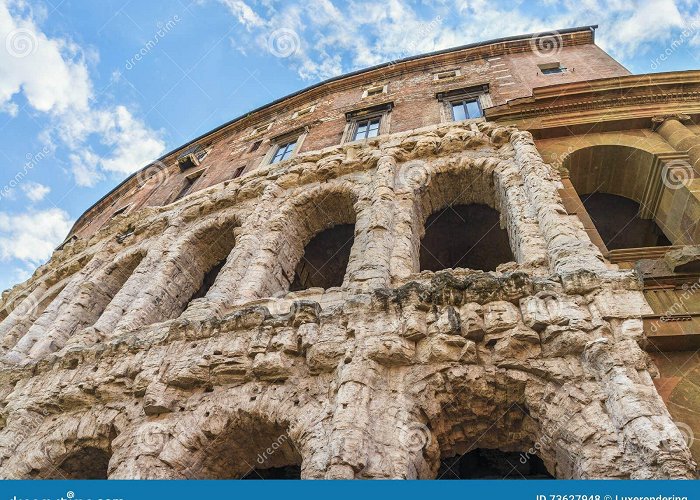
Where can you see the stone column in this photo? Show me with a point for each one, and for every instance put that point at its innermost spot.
(374, 251)
(672, 128)
(650, 439)
(569, 249)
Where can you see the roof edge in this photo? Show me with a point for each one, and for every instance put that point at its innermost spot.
(591, 28)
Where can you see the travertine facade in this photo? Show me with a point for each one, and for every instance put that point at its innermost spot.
(111, 368)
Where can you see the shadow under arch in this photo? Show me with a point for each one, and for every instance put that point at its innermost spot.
(316, 247)
(458, 212)
(620, 187)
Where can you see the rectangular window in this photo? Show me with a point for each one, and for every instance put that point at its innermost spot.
(238, 172)
(367, 128)
(552, 68)
(466, 109)
(255, 146)
(284, 151)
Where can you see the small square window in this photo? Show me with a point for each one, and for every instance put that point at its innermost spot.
(365, 129)
(303, 112)
(552, 68)
(466, 109)
(374, 91)
(238, 172)
(444, 75)
(120, 211)
(284, 151)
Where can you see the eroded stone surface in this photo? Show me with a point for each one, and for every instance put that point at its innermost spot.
(378, 378)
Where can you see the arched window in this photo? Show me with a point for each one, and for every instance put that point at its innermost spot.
(467, 236)
(616, 192)
(617, 220)
(325, 259)
(321, 248)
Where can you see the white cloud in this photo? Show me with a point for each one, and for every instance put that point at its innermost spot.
(32, 236)
(337, 37)
(52, 74)
(35, 191)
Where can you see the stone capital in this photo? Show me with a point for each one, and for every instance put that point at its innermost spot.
(658, 120)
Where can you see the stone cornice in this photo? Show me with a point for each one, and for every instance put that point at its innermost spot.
(564, 103)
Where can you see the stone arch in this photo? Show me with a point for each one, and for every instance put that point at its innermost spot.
(459, 214)
(184, 274)
(72, 446)
(620, 187)
(81, 310)
(211, 442)
(329, 211)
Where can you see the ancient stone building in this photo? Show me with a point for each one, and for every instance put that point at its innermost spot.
(472, 263)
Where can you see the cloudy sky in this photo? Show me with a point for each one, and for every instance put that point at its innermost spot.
(90, 91)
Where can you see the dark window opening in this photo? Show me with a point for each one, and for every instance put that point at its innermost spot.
(209, 278)
(552, 68)
(493, 464)
(375, 91)
(325, 259)
(465, 109)
(617, 220)
(238, 172)
(365, 129)
(120, 211)
(186, 188)
(288, 472)
(467, 236)
(255, 146)
(284, 151)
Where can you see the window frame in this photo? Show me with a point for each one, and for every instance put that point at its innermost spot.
(354, 119)
(462, 102)
(553, 68)
(478, 93)
(296, 137)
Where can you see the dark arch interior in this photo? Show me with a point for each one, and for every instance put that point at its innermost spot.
(325, 259)
(467, 236)
(617, 220)
(493, 464)
(86, 463)
(288, 472)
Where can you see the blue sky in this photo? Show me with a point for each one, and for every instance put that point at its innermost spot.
(90, 91)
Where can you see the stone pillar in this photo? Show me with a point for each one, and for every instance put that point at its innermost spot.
(673, 130)
(650, 439)
(569, 249)
(374, 250)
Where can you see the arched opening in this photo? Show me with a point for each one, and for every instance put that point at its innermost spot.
(617, 220)
(109, 283)
(288, 472)
(87, 463)
(325, 259)
(316, 247)
(493, 464)
(205, 255)
(467, 236)
(250, 447)
(616, 191)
